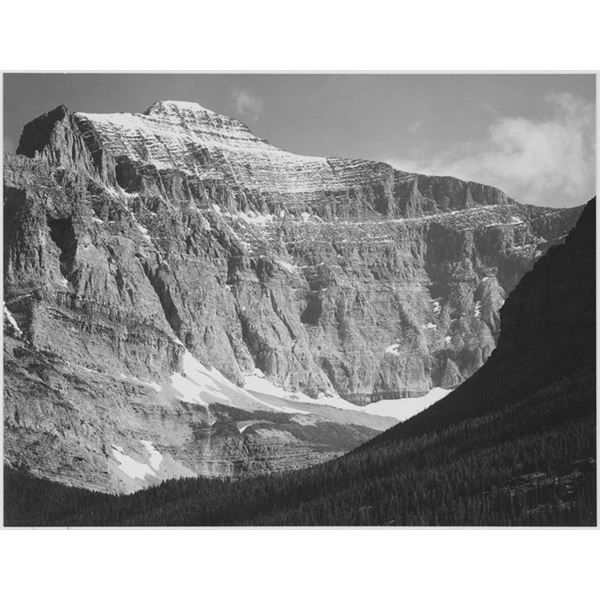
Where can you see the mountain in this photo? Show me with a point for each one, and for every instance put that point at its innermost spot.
(514, 445)
(183, 298)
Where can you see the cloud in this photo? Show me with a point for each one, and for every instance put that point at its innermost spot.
(246, 104)
(549, 162)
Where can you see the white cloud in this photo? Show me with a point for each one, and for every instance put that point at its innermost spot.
(548, 162)
(246, 104)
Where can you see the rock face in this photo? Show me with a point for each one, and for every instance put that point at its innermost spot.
(157, 263)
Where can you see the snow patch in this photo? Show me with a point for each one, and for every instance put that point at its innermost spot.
(286, 266)
(143, 231)
(244, 427)
(155, 456)
(198, 385)
(259, 384)
(8, 316)
(255, 219)
(430, 326)
(404, 408)
(400, 409)
(333, 400)
(193, 381)
(130, 466)
(393, 349)
(179, 104)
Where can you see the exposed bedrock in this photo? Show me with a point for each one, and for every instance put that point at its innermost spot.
(323, 273)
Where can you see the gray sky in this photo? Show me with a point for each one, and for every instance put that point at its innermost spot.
(531, 135)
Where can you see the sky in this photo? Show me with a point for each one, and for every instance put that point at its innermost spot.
(533, 136)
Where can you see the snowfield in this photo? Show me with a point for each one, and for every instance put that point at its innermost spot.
(404, 408)
(399, 409)
(198, 385)
(155, 456)
(131, 467)
(259, 384)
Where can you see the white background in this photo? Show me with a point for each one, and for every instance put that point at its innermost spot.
(307, 35)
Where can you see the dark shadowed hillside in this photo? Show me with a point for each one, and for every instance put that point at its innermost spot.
(514, 445)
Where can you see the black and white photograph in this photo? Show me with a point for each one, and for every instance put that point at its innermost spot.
(299, 299)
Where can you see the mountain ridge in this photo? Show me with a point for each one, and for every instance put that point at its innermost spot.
(214, 128)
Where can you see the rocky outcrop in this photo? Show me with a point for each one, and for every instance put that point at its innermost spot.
(135, 241)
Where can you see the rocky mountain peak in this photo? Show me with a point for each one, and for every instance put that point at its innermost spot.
(210, 151)
(37, 135)
(176, 107)
(191, 115)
